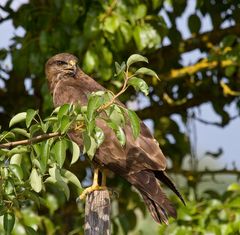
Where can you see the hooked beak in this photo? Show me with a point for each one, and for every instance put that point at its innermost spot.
(72, 67)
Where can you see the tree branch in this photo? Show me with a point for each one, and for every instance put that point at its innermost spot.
(200, 42)
(33, 140)
(206, 171)
(193, 69)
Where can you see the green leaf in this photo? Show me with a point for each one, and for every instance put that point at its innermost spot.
(135, 123)
(63, 110)
(8, 222)
(140, 11)
(139, 84)
(90, 145)
(44, 155)
(234, 187)
(18, 118)
(90, 61)
(146, 71)
(230, 70)
(118, 132)
(120, 70)
(21, 131)
(56, 177)
(71, 178)
(17, 171)
(18, 149)
(30, 231)
(94, 103)
(99, 136)
(136, 58)
(30, 116)
(35, 129)
(111, 23)
(7, 135)
(146, 36)
(116, 114)
(32, 196)
(75, 152)
(126, 31)
(16, 159)
(35, 180)
(65, 124)
(9, 187)
(60, 152)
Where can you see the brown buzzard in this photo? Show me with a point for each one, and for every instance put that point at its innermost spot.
(141, 161)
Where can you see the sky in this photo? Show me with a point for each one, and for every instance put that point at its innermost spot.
(209, 138)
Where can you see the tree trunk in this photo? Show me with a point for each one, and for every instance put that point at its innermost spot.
(97, 213)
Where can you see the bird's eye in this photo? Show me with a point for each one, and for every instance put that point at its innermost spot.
(60, 62)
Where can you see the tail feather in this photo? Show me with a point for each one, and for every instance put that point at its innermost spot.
(162, 176)
(158, 213)
(158, 204)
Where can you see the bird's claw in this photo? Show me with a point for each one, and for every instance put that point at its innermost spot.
(90, 190)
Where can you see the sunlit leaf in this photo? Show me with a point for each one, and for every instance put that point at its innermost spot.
(94, 103)
(21, 132)
(234, 187)
(99, 136)
(139, 85)
(30, 116)
(136, 58)
(65, 124)
(17, 171)
(18, 118)
(75, 152)
(118, 132)
(35, 180)
(135, 123)
(7, 135)
(146, 71)
(71, 178)
(19, 149)
(63, 110)
(16, 159)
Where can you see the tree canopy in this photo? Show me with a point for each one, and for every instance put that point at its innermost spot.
(99, 33)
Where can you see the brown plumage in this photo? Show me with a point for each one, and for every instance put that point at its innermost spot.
(141, 161)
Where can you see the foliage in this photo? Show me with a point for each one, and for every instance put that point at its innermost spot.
(100, 32)
(214, 214)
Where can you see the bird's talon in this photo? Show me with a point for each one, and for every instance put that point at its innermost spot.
(90, 190)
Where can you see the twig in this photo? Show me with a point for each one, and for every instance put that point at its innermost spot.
(33, 140)
(123, 89)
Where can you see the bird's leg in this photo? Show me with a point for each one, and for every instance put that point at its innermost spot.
(95, 185)
(104, 178)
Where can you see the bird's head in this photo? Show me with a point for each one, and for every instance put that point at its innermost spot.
(60, 66)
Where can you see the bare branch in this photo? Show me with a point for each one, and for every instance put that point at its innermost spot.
(30, 141)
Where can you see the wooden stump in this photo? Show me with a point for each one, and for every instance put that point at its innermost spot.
(97, 213)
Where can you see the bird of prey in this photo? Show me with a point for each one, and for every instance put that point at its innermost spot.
(141, 161)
